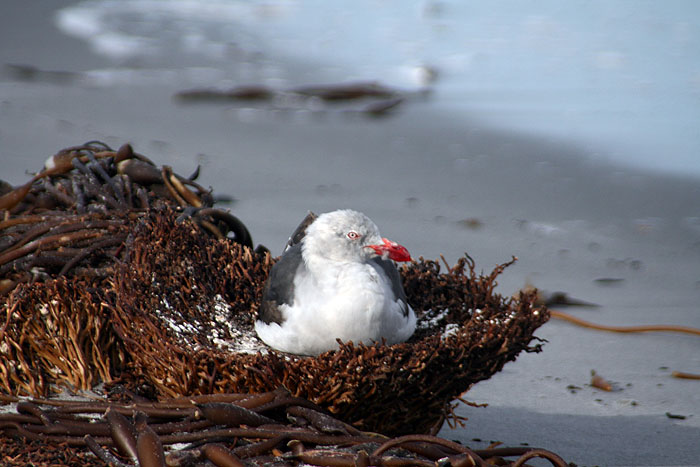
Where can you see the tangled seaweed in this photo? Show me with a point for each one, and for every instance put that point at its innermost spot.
(273, 428)
(116, 270)
(625, 329)
(378, 100)
(73, 217)
(158, 320)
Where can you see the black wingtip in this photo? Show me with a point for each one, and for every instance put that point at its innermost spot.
(300, 231)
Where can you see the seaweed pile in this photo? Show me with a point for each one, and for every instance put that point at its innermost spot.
(272, 428)
(115, 270)
(73, 217)
(376, 100)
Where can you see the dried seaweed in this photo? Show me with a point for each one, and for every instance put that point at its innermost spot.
(379, 100)
(73, 217)
(625, 329)
(246, 430)
(178, 313)
(182, 340)
(141, 281)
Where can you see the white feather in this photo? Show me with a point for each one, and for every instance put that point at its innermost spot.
(340, 293)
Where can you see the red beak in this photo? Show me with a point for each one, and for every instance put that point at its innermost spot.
(392, 249)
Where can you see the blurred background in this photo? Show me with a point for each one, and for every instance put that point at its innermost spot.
(563, 133)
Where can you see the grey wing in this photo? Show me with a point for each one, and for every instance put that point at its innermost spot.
(300, 231)
(279, 288)
(392, 273)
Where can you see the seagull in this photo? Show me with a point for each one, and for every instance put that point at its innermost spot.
(335, 280)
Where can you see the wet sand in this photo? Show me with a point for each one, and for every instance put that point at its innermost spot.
(439, 184)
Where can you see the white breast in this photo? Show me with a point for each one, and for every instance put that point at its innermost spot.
(347, 301)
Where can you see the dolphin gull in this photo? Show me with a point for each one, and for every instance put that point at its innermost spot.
(335, 280)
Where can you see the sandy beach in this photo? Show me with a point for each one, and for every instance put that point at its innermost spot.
(441, 184)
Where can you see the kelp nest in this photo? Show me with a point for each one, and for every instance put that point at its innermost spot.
(116, 271)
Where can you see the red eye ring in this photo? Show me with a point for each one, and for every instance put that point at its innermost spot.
(352, 235)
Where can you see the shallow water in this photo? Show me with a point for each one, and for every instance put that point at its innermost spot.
(620, 78)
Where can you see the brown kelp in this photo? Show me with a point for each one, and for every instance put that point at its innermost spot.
(115, 269)
(276, 429)
(74, 216)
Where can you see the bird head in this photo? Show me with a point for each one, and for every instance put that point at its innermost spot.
(347, 235)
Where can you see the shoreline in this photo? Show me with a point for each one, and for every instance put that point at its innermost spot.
(421, 174)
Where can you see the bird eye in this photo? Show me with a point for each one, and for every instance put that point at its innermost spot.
(352, 235)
